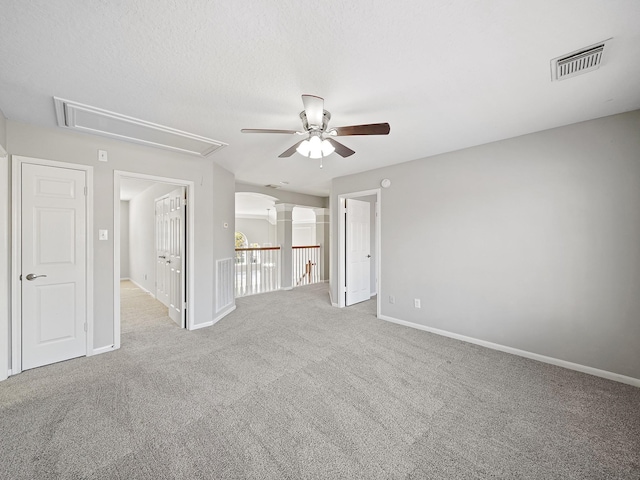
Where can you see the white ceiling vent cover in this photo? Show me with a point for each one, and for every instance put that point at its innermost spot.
(88, 119)
(576, 63)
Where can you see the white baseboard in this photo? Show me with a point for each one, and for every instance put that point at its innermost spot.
(616, 377)
(223, 314)
(142, 288)
(215, 320)
(286, 288)
(202, 325)
(124, 279)
(98, 351)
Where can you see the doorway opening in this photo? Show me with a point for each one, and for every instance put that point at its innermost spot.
(359, 258)
(153, 246)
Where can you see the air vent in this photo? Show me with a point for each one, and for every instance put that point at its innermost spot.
(88, 119)
(578, 62)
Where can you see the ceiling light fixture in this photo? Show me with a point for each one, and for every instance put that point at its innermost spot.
(315, 147)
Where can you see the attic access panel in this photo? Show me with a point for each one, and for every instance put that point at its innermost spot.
(88, 119)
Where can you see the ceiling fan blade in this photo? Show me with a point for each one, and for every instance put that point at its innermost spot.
(370, 129)
(265, 130)
(291, 151)
(314, 108)
(341, 150)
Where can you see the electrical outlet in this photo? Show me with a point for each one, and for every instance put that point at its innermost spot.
(416, 302)
(392, 299)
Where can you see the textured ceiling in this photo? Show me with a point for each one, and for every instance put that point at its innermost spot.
(445, 74)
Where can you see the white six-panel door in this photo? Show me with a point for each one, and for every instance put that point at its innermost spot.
(53, 264)
(170, 243)
(162, 250)
(176, 255)
(357, 251)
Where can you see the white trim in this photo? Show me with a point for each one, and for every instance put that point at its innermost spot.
(190, 260)
(98, 351)
(341, 241)
(148, 292)
(203, 325)
(223, 314)
(3, 152)
(123, 279)
(215, 320)
(616, 377)
(16, 207)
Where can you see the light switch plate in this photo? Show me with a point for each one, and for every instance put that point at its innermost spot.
(102, 156)
(103, 234)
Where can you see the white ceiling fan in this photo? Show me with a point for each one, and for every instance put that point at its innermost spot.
(318, 141)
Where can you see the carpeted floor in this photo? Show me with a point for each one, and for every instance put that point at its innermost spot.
(289, 387)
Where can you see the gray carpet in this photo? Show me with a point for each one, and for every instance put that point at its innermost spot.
(289, 387)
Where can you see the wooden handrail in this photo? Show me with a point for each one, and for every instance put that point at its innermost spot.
(308, 246)
(253, 249)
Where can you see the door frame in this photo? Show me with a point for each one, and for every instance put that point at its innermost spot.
(189, 281)
(16, 252)
(342, 235)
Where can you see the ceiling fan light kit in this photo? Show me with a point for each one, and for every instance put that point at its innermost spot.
(315, 147)
(319, 144)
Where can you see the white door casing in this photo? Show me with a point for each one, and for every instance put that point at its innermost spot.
(53, 248)
(357, 251)
(188, 253)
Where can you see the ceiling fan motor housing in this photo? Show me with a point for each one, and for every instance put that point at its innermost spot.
(326, 116)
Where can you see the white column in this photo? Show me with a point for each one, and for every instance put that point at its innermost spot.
(322, 239)
(285, 240)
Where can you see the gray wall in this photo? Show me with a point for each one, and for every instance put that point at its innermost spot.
(3, 130)
(286, 197)
(303, 234)
(142, 235)
(531, 242)
(5, 258)
(124, 239)
(256, 230)
(214, 200)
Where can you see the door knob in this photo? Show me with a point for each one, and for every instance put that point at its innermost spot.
(33, 276)
(162, 256)
(368, 256)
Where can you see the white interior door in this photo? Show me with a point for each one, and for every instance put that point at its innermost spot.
(162, 250)
(175, 260)
(357, 251)
(53, 264)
